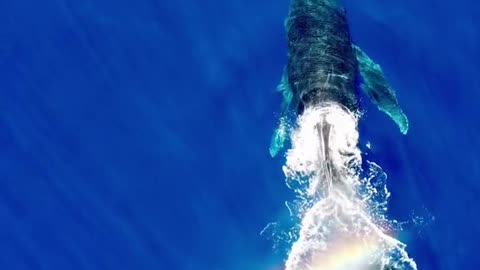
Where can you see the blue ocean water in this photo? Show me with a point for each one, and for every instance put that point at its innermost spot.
(134, 135)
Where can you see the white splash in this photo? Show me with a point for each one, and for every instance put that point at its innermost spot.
(342, 215)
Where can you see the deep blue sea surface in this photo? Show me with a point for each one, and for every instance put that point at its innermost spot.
(135, 134)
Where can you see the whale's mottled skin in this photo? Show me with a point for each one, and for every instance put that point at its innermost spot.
(323, 64)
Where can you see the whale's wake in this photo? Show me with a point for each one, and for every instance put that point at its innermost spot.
(342, 212)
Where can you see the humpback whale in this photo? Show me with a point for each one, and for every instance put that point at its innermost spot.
(342, 213)
(323, 66)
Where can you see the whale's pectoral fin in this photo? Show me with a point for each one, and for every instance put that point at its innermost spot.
(281, 133)
(377, 89)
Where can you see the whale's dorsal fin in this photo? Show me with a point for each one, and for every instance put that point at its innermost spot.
(377, 89)
(281, 133)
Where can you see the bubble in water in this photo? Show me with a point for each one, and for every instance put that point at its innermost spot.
(341, 212)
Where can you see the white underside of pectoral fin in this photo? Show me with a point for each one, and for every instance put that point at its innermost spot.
(375, 86)
(281, 133)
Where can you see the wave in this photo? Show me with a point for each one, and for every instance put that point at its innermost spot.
(341, 206)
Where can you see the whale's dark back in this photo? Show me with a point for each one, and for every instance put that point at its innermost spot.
(321, 64)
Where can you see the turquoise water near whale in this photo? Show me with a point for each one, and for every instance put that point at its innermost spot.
(134, 135)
